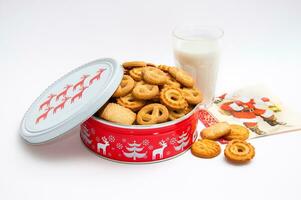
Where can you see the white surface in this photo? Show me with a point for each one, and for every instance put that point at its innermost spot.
(40, 41)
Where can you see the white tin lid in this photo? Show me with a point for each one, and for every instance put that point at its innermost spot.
(71, 100)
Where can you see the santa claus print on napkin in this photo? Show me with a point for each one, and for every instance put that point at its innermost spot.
(257, 109)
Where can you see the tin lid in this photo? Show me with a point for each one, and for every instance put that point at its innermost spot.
(71, 100)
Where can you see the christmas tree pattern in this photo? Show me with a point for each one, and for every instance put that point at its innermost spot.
(182, 141)
(85, 134)
(133, 151)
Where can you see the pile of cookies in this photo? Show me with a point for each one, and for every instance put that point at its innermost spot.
(151, 94)
(237, 150)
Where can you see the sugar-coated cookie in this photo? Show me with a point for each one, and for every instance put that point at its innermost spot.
(126, 86)
(192, 95)
(145, 91)
(133, 64)
(237, 132)
(239, 151)
(152, 114)
(205, 148)
(216, 131)
(172, 98)
(153, 75)
(129, 101)
(181, 76)
(115, 113)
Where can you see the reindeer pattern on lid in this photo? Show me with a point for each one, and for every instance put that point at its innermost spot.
(69, 94)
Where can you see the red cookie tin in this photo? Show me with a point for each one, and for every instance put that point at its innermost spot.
(140, 143)
(74, 98)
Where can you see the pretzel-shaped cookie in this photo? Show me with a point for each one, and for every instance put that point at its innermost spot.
(171, 82)
(136, 73)
(172, 98)
(192, 95)
(175, 114)
(126, 86)
(154, 76)
(145, 91)
(239, 151)
(164, 68)
(129, 101)
(152, 114)
(181, 76)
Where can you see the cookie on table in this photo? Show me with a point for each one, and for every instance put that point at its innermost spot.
(239, 151)
(237, 132)
(115, 113)
(205, 148)
(216, 131)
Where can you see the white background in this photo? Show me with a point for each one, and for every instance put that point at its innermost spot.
(42, 40)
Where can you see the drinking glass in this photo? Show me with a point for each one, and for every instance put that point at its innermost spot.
(197, 51)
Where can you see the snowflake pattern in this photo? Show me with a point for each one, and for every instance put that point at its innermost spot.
(97, 139)
(111, 138)
(150, 147)
(145, 142)
(167, 139)
(173, 140)
(119, 146)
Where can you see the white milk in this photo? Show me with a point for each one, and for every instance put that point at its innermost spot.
(200, 59)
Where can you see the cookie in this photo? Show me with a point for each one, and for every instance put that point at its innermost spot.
(164, 68)
(133, 64)
(152, 114)
(129, 101)
(145, 91)
(216, 131)
(171, 82)
(175, 114)
(151, 65)
(118, 114)
(154, 76)
(126, 86)
(172, 98)
(239, 151)
(136, 73)
(181, 76)
(192, 95)
(205, 148)
(237, 132)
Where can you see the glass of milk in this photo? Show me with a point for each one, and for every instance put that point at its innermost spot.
(197, 51)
